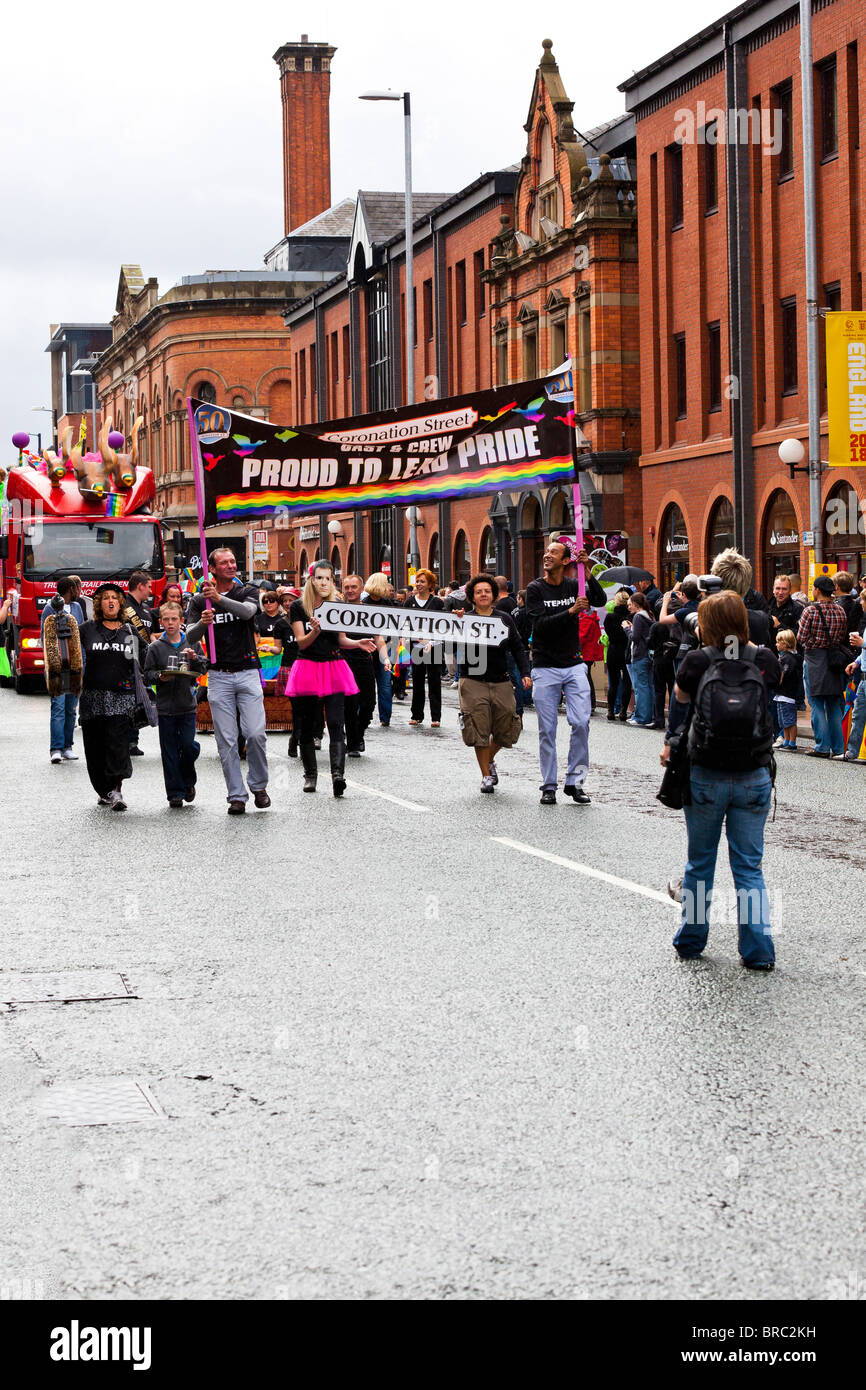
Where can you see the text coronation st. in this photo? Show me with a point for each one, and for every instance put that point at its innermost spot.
(371, 620)
(479, 450)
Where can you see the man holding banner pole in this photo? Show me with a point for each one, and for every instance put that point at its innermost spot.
(553, 605)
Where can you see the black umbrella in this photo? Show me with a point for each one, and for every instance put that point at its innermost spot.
(624, 574)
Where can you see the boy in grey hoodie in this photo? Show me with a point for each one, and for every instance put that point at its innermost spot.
(175, 700)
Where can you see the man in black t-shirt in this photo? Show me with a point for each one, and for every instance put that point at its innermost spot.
(234, 679)
(553, 604)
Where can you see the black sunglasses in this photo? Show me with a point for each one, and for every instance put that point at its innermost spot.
(269, 598)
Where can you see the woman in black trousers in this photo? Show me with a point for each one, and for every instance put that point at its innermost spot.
(618, 682)
(427, 657)
(108, 696)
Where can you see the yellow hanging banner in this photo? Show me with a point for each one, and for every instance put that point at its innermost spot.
(846, 388)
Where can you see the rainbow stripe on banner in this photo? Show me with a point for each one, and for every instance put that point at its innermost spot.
(530, 474)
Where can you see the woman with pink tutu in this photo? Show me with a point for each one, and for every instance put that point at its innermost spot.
(320, 674)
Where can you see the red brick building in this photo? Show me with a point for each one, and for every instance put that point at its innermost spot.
(522, 267)
(722, 281)
(220, 335)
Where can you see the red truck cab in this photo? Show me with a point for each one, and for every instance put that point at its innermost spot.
(50, 528)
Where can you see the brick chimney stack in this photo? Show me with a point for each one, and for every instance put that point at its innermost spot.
(305, 86)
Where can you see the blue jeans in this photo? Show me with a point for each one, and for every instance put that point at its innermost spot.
(741, 802)
(384, 692)
(858, 721)
(179, 749)
(63, 711)
(827, 725)
(644, 696)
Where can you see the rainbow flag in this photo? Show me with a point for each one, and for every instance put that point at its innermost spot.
(114, 504)
(192, 584)
(295, 503)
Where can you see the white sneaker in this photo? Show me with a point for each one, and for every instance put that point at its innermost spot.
(455, 685)
(69, 756)
(494, 775)
(487, 784)
(57, 756)
(675, 889)
(103, 801)
(116, 801)
(779, 741)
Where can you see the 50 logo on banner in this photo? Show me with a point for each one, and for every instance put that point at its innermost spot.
(212, 424)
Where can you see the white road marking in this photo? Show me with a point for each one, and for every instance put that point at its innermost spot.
(386, 796)
(588, 871)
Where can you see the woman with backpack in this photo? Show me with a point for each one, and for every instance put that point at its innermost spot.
(725, 686)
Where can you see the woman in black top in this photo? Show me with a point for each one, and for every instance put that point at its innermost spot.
(319, 674)
(108, 696)
(427, 657)
(618, 679)
(488, 710)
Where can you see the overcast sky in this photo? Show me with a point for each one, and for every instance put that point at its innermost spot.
(152, 134)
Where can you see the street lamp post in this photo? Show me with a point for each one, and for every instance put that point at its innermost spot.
(45, 410)
(415, 558)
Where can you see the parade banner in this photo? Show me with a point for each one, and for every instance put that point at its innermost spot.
(846, 388)
(510, 437)
(373, 620)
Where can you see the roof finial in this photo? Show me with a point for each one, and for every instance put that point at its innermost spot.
(547, 56)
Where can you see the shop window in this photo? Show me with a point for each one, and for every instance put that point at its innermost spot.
(781, 535)
(462, 557)
(720, 532)
(673, 547)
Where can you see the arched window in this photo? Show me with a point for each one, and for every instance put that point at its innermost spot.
(462, 558)
(206, 391)
(280, 402)
(560, 516)
(487, 552)
(433, 561)
(385, 560)
(720, 532)
(351, 560)
(531, 541)
(335, 561)
(781, 539)
(303, 567)
(673, 547)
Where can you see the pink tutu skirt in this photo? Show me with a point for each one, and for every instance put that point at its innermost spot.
(320, 678)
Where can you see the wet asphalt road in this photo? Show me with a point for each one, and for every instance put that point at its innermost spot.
(398, 1057)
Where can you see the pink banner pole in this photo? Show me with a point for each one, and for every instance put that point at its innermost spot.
(575, 496)
(199, 504)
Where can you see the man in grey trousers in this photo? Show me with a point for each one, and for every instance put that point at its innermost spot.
(553, 606)
(234, 685)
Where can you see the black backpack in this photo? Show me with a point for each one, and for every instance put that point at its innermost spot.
(731, 728)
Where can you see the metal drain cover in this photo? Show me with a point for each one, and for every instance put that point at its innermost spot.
(111, 1100)
(45, 988)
